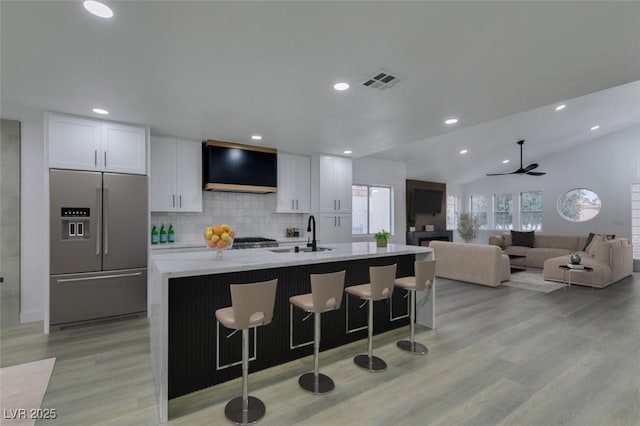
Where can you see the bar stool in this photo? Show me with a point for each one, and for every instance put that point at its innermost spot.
(380, 288)
(425, 271)
(326, 295)
(251, 306)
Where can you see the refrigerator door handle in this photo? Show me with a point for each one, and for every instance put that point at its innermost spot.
(98, 219)
(100, 277)
(105, 212)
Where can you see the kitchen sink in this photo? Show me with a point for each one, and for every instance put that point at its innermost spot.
(302, 249)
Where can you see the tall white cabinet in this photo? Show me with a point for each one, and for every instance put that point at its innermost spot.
(335, 184)
(84, 144)
(331, 197)
(294, 184)
(175, 175)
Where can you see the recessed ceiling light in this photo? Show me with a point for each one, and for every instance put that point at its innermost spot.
(595, 127)
(98, 9)
(100, 111)
(348, 151)
(451, 120)
(464, 151)
(505, 161)
(256, 137)
(560, 107)
(341, 86)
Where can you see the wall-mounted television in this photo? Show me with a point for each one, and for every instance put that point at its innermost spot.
(426, 201)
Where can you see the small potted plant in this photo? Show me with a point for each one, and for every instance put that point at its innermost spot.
(411, 222)
(381, 238)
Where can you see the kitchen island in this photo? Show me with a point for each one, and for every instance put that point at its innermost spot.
(190, 351)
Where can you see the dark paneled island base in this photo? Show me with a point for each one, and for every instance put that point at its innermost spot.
(192, 360)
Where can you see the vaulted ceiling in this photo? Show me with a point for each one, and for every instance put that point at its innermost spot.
(228, 70)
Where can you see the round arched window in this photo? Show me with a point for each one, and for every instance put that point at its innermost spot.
(579, 205)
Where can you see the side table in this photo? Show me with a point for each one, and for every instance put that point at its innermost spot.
(568, 271)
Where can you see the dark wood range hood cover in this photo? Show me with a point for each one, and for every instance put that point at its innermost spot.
(234, 167)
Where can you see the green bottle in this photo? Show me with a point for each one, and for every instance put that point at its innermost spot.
(155, 238)
(163, 234)
(170, 234)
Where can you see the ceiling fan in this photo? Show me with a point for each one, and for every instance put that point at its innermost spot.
(522, 170)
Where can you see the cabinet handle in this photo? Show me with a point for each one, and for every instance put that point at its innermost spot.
(95, 157)
(105, 159)
(180, 201)
(339, 205)
(100, 277)
(334, 204)
(339, 221)
(173, 200)
(292, 204)
(335, 221)
(297, 208)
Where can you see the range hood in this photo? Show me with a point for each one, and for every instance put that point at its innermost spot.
(234, 167)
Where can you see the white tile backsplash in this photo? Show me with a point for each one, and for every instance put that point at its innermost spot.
(250, 215)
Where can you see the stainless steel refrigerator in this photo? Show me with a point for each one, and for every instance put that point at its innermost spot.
(98, 243)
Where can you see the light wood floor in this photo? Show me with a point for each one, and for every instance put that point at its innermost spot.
(499, 356)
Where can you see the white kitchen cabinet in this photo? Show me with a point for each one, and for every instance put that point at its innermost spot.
(335, 184)
(294, 184)
(84, 144)
(124, 148)
(334, 228)
(175, 175)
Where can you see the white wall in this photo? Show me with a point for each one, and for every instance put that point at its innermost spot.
(34, 237)
(608, 166)
(374, 171)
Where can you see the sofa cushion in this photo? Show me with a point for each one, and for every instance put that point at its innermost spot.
(557, 241)
(600, 276)
(591, 248)
(589, 238)
(522, 238)
(537, 256)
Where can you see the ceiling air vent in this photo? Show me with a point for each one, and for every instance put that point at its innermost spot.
(381, 80)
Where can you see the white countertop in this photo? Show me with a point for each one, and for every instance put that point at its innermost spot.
(184, 263)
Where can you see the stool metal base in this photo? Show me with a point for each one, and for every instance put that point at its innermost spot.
(233, 411)
(373, 363)
(308, 382)
(414, 348)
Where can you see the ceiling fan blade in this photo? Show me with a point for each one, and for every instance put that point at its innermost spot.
(500, 174)
(536, 173)
(531, 167)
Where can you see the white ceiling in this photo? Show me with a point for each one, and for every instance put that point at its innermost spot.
(227, 70)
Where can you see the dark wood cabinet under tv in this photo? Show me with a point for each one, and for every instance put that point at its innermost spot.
(423, 238)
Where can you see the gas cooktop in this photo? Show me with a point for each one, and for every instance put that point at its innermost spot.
(253, 242)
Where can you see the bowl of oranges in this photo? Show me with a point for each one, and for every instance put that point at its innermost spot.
(219, 238)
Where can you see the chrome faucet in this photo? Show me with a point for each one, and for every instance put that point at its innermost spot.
(313, 244)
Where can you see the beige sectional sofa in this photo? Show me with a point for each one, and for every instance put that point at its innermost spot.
(612, 260)
(474, 263)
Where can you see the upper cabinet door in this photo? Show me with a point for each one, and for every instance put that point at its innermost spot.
(335, 184)
(124, 148)
(162, 175)
(74, 143)
(188, 176)
(294, 184)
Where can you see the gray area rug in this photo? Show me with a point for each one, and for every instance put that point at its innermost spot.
(22, 388)
(532, 280)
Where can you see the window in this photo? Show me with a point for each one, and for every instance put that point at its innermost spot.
(480, 209)
(503, 211)
(452, 209)
(579, 205)
(635, 219)
(372, 208)
(531, 211)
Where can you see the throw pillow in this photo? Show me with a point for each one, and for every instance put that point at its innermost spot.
(589, 238)
(591, 235)
(591, 250)
(524, 239)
